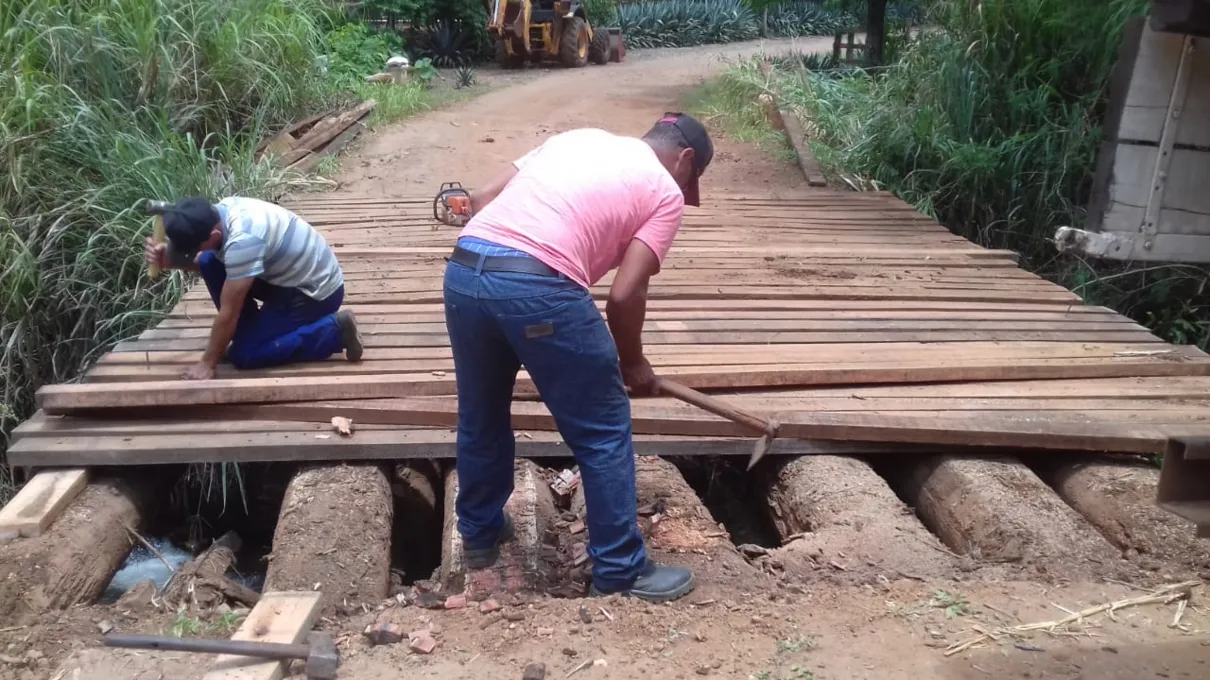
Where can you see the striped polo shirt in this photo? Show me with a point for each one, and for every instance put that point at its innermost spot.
(266, 241)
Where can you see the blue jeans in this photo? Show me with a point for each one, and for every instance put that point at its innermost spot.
(288, 326)
(499, 321)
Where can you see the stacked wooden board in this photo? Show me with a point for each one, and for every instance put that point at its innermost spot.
(861, 325)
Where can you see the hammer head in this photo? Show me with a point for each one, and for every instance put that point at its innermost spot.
(151, 207)
(323, 659)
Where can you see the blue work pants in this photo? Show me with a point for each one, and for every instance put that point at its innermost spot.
(287, 327)
(500, 321)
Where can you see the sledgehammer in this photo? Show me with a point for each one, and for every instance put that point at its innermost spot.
(320, 651)
(766, 428)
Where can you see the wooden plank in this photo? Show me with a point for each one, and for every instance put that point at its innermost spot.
(61, 399)
(40, 502)
(707, 375)
(391, 443)
(368, 319)
(372, 332)
(683, 354)
(968, 350)
(282, 617)
(742, 338)
(712, 308)
(1085, 431)
(325, 131)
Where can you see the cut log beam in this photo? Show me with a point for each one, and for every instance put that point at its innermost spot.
(1117, 495)
(840, 520)
(523, 565)
(334, 535)
(996, 510)
(75, 559)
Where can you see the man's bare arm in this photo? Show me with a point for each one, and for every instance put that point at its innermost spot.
(626, 311)
(223, 329)
(487, 193)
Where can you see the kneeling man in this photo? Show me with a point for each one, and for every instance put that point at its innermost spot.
(247, 251)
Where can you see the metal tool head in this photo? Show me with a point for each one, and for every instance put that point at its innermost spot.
(764, 444)
(324, 657)
(151, 207)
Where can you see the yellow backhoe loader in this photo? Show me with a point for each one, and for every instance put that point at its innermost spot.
(533, 30)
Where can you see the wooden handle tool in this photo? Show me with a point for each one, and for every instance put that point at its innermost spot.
(156, 209)
(767, 428)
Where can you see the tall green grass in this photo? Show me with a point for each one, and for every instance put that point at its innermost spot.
(103, 104)
(992, 123)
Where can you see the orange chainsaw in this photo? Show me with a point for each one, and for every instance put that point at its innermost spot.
(455, 200)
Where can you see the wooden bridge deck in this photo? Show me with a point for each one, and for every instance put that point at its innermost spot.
(863, 325)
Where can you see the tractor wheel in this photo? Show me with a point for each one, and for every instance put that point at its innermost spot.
(598, 49)
(573, 44)
(506, 60)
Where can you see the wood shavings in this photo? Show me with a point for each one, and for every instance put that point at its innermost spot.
(342, 425)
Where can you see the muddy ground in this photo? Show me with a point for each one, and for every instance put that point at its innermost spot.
(863, 587)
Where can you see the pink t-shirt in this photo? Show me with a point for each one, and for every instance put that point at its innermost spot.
(578, 200)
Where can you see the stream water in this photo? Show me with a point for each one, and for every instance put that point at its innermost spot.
(142, 565)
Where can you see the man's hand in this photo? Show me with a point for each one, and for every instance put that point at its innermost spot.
(639, 377)
(202, 370)
(155, 253)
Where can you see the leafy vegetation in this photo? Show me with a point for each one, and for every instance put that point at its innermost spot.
(601, 12)
(105, 104)
(466, 76)
(354, 51)
(683, 23)
(991, 124)
(449, 32)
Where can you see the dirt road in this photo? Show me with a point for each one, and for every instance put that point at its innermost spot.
(814, 626)
(452, 144)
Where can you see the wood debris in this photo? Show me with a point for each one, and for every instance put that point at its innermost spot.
(342, 425)
(1178, 592)
(301, 146)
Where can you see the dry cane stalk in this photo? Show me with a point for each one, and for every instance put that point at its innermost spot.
(1165, 595)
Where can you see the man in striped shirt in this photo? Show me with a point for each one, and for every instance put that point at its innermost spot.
(248, 250)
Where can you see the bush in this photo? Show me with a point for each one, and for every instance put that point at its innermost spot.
(353, 51)
(803, 19)
(601, 12)
(682, 23)
(450, 32)
(104, 104)
(992, 125)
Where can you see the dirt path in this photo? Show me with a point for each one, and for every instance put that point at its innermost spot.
(761, 626)
(451, 144)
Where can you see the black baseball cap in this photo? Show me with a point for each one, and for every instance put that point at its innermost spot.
(188, 224)
(703, 149)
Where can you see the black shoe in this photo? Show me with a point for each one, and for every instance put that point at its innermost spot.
(482, 558)
(349, 335)
(656, 584)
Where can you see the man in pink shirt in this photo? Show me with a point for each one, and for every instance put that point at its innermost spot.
(516, 294)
